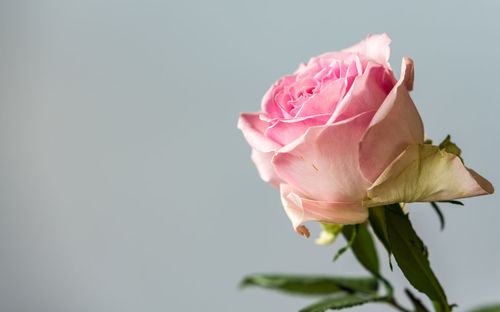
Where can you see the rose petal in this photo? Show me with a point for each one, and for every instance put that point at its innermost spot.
(300, 209)
(408, 73)
(323, 163)
(396, 125)
(324, 101)
(285, 131)
(424, 173)
(368, 92)
(266, 170)
(326, 59)
(253, 129)
(272, 99)
(374, 46)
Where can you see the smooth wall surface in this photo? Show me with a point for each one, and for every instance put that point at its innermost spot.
(125, 185)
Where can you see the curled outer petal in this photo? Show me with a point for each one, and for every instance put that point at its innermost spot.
(396, 125)
(262, 161)
(253, 129)
(374, 46)
(423, 173)
(301, 209)
(368, 92)
(263, 148)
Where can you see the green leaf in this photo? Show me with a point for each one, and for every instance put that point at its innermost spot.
(379, 225)
(450, 147)
(489, 308)
(341, 301)
(366, 253)
(329, 233)
(417, 304)
(349, 243)
(411, 256)
(363, 248)
(311, 285)
(439, 213)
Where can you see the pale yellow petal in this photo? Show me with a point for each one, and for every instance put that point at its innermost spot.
(424, 173)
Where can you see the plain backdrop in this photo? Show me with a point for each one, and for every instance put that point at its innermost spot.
(125, 185)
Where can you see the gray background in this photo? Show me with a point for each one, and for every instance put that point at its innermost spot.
(125, 185)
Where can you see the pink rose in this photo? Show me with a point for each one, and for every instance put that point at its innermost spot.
(341, 135)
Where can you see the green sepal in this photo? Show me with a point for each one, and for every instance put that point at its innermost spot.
(454, 202)
(448, 146)
(439, 213)
(329, 233)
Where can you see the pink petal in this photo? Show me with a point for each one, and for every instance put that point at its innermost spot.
(374, 46)
(396, 125)
(300, 209)
(271, 100)
(264, 165)
(253, 129)
(268, 106)
(324, 101)
(326, 59)
(368, 92)
(485, 185)
(323, 164)
(285, 131)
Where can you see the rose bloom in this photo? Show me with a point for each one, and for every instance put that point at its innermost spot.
(341, 135)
